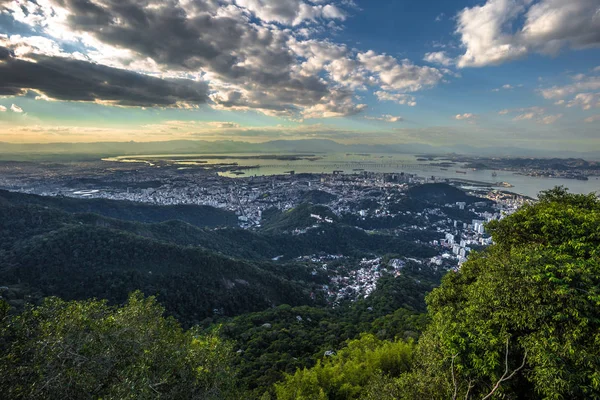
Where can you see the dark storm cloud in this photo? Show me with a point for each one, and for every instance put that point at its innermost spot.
(73, 80)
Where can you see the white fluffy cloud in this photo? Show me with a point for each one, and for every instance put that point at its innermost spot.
(535, 114)
(465, 116)
(507, 87)
(399, 75)
(581, 84)
(587, 101)
(439, 57)
(291, 12)
(400, 98)
(16, 109)
(583, 91)
(503, 30)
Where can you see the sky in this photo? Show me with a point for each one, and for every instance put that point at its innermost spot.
(511, 73)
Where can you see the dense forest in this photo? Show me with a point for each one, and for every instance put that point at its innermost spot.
(128, 210)
(520, 319)
(197, 272)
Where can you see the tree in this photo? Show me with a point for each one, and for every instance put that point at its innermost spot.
(346, 374)
(522, 318)
(87, 349)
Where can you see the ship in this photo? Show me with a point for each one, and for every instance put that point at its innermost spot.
(461, 172)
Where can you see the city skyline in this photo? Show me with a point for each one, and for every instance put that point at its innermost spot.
(516, 73)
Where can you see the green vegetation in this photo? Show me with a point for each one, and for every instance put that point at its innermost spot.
(441, 193)
(283, 339)
(530, 300)
(128, 210)
(80, 256)
(317, 197)
(520, 319)
(346, 374)
(88, 350)
(296, 218)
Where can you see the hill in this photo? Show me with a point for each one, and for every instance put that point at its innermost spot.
(128, 210)
(317, 197)
(28, 215)
(78, 256)
(441, 193)
(196, 272)
(303, 216)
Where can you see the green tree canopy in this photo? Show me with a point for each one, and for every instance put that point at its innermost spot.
(522, 318)
(89, 350)
(346, 374)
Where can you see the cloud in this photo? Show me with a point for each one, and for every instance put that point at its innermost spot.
(60, 78)
(399, 98)
(386, 118)
(583, 92)
(593, 118)
(400, 76)
(244, 55)
(291, 12)
(549, 119)
(466, 116)
(223, 125)
(338, 104)
(504, 30)
(439, 57)
(200, 40)
(507, 87)
(586, 101)
(527, 113)
(536, 114)
(585, 84)
(16, 109)
(524, 117)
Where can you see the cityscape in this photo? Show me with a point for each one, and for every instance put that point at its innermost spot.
(299, 199)
(362, 196)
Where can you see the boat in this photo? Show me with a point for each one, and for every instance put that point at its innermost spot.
(494, 174)
(461, 172)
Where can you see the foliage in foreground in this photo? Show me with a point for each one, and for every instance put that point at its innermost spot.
(522, 318)
(347, 374)
(89, 350)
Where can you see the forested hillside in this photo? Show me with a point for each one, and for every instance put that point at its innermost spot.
(128, 210)
(197, 273)
(518, 320)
